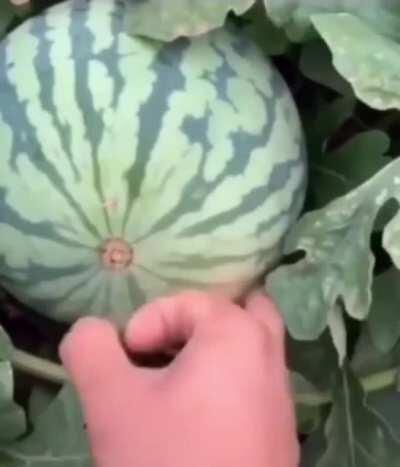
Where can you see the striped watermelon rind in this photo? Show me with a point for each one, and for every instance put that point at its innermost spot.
(132, 168)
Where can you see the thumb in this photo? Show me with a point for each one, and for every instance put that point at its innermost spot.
(265, 312)
(94, 358)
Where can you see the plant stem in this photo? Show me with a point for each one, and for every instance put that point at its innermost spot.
(379, 381)
(370, 383)
(313, 399)
(38, 367)
(44, 369)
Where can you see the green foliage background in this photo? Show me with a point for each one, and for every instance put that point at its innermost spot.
(338, 286)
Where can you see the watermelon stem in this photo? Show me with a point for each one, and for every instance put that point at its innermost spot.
(52, 372)
(371, 383)
(38, 367)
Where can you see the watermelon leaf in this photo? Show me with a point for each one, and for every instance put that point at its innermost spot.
(387, 404)
(167, 20)
(313, 448)
(308, 417)
(338, 264)
(12, 417)
(357, 436)
(65, 446)
(316, 64)
(6, 15)
(371, 64)
(5, 345)
(321, 125)
(384, 319)
(315, 361)
(368, 359)
(336, 172)
(41, 397)
(365, 43)
(295, 16)
(270, 38)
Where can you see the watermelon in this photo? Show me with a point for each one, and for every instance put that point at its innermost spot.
(132, 169)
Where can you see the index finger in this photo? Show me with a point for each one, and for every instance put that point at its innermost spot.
(171, 321)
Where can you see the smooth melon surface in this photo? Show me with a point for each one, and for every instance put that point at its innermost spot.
(131, 169)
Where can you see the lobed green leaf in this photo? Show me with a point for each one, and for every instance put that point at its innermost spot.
(296, 15)
(6, 15)
(308, 416)
(338, 264)
(336, 173)
(384, 318)
(12, 417)
(316, 64)
(357, 435)
(66, 445)
(368, 60)
(271, 39)
(168, 20)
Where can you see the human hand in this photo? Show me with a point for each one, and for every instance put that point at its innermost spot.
(224, 401)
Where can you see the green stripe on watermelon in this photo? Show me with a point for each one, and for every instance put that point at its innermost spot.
(133, 168)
